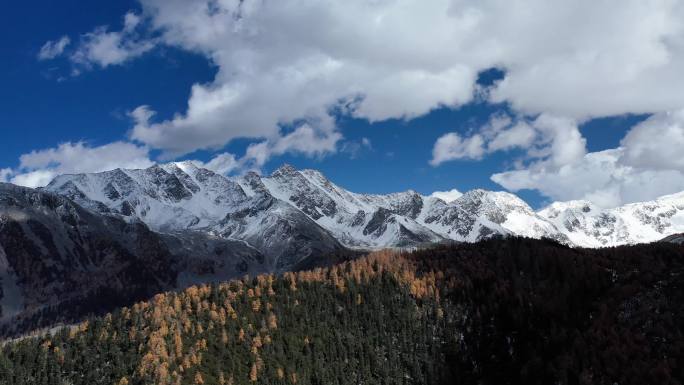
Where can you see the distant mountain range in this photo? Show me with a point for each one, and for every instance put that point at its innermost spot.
(181, 196)
(126, 234)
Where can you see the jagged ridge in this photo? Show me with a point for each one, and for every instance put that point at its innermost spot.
(180, 196)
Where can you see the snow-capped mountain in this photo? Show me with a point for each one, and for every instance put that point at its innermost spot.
(167, 197)
(60, 260)
(301, 211)
(181, 198)
(589, 226)
(125, 234)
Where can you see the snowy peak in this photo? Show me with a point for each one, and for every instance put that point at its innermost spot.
(182, 195)
(356, 220)
(585, 224)
(285, 170)
(166, 197)
(481, 214)
(491, 204)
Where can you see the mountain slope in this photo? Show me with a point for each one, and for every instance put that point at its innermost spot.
(357, 220)
(55, 255)
(505, 311)
(675, 238)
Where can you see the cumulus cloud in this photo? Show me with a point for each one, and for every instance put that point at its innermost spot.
(401, 59)
(223, 163)
(553, 158)
(560, 140)
(53, 48)
(520, 135)
(656, 143)
(378, 60)
(105, 48)
(646, 165)
(307, 140)
(38, 168)
(312, 141)
(274, 72)
(553, 138)
(610, 61)
(600, 177)
(447, 196)
(5, 174)
(452, 146)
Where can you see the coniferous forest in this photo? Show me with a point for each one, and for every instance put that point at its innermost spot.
(512, 311)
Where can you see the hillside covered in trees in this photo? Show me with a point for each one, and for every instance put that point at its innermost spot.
(513, 311)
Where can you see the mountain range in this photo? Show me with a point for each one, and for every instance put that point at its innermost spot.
(261, 209)
(127, 234)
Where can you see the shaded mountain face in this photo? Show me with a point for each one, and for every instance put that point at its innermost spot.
(291, 214)
(55, 255)
(675, 238)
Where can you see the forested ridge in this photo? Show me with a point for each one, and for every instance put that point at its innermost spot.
(512, 311)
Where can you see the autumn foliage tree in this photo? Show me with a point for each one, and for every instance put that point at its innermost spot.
(513, 311)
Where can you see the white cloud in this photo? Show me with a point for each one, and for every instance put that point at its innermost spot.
(36, 178)
(560, 140)
(105, 48)
(281, 62)
(599, 177)
(645, 166)
(223, 163)
(51, 49)
(657, 143)
(612, 60)
(365, 142)
(517, 136)
(452, 146)
(447, 196)
(273, 71)
(547, 137)
(38, 168)
(5, 174)
(284, 64)
(554, 161)
(308, 140)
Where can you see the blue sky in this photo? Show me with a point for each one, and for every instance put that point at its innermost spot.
(385, 142)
